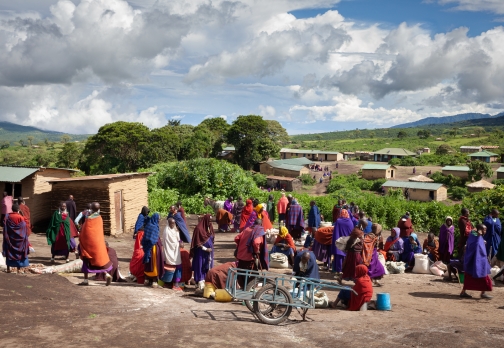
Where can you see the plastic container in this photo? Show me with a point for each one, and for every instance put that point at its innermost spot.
(383, 301)
(208, 290)
(222, 295)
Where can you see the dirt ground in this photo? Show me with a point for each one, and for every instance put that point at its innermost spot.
(49, 310)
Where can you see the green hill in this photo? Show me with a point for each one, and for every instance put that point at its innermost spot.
(13, 133)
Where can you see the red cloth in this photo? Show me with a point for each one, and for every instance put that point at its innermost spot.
(368, 246)
(465, 227)
(388, 244)
(352, 261)
(92, 243)
(186, 266)
(241, 239)
(136, 263)
(282, 205)
(324, 235)
(182, 212)
(202, 233)
(364, 288)
(25, 211)
(288, 239)
(246, 213)
(267, 225)
(336, 213)
(477, 284)
(218, 275)
(406, 227)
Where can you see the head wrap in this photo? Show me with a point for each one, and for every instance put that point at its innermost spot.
(258, 209)
(377, 228)
(414, 235)
(449, 218)
(361, 271)
(397, 231)
(283, 232)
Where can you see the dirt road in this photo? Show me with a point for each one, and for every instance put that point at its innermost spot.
(51, 310)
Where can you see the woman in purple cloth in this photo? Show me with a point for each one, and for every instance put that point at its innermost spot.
(446, 240)
(342, 228)
(202, 250)
(228, 204)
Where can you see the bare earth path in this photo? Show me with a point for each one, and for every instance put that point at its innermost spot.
(51, 310)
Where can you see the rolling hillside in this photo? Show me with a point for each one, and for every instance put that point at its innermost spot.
(444, 120)
(13, 133)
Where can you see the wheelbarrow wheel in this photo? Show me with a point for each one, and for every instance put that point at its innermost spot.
(255, 285)
(271, 313)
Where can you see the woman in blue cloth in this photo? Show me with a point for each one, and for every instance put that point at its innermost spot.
(411, 247)
(141, 220)
(153, 251)
(15, 240)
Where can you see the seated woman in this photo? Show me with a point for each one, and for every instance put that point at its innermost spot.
(411, 247)
(394, 246)
(284, 244)
(218, 274)
(431, 247)
(364, 288)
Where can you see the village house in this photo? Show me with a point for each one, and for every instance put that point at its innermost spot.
(31, 184)
(283, 183)
(484, 156)
(121, 197)
(314, 155)
(458, 171)
(292, 167)
(378, 171)
(227, 153)
(419, 191)
(385, 155)
(500, 173)
(479, 186)
(470, 149)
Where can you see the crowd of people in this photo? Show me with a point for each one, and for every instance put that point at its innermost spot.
(352, 246)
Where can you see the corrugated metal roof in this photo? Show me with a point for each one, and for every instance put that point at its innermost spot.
(311, 152)
(376, 166)
(456, 168)
(395, 152)
(299, 161)
(229, 148)
(483, 153)
(281, 178)
(413, 185)
(471, 147)
(500, 170)
(16, 174)
(98, 177)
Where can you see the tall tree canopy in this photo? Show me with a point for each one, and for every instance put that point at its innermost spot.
(252, 140)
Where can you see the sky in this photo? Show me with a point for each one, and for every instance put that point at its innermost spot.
(313, 65)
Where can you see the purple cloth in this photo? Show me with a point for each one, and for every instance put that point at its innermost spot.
(258, 232)
(342, 228)
(228, 206)
(446, 239)
(375, 269)
(15, 239)
(295, 216)
(86, 269)
(475, 260)
(63, 252)
(322, 252)
(202, 261)
(250, 222)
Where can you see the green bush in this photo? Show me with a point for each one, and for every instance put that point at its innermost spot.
(458, 193)
(260, 179)
(307, 179)
(498, 182)
(395, 162)
(377, 184)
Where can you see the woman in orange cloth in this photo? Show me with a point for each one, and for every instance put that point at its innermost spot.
(92, 247)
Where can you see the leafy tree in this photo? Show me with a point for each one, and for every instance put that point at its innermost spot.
(478, 131)
(218, 128)
(69, 155)
(4, 144)
(30, 140)
(444, 149)
(458, 193)
(478, 170)
(252, 140)
(307, 179)
(65, 138)
(21, 142)
(277, 133)
(118, 147)
(199, 145)
(423, 134)
(402, 134)
(164, 145)
(174, 123)
(46, 142)
(372, 135)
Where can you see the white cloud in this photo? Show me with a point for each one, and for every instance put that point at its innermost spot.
(496, 6)
(267, 111)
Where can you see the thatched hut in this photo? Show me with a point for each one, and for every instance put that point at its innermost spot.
(479, 186)
(420, 178)
(121, 197)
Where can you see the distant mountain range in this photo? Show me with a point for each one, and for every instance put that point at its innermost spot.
(12, 133)
(447, 119)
